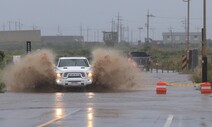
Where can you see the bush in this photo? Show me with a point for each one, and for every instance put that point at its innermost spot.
(2, 87)
(197, 75)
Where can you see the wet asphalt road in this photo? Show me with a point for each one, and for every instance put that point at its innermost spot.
(180, 107)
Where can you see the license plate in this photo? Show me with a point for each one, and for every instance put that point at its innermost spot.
(74, 74)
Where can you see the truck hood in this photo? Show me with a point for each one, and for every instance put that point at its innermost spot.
(73, 69)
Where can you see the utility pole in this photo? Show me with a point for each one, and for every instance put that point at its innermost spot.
(9, 23)
(153, 33)
(94, 36)
(140, 28)
(80, 29)
(170, 29)
(147, 25)
(81, 33)
(98, 36)
(128, 34)
(124, 33)
(15, 25)
(121, 33)
(19, 25)
(204, 48)
(188, 24)
(188, 27)
(34, 27)
(131, 37)
(185, 23)
(59, 32)
(118, 26)
(87, 33)
(4, 26)
(112, 25)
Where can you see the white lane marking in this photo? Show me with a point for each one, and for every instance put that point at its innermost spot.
(55, 119)
(169, 121)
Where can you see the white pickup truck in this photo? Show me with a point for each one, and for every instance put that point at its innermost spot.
(73, 71)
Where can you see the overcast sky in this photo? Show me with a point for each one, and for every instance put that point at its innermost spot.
(97, 15)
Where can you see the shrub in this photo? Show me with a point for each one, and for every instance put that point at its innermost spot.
(197, 75)
(2, 87)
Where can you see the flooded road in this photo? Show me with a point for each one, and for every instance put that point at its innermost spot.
(180, 107)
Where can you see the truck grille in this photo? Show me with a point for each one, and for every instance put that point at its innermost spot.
(74, 74)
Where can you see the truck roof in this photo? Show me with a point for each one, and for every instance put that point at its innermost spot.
(72, 58)
(138, 54)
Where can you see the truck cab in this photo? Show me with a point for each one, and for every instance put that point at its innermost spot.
(142, 59)
(73, 71)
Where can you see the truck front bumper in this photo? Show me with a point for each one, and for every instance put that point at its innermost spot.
(66, 82)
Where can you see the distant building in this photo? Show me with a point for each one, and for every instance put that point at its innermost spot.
(16, 40)
(35, 36)
(20, 36)
(110, 38)
(180, 37)
(55, 39)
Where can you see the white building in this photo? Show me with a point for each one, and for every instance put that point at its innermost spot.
(180, 37)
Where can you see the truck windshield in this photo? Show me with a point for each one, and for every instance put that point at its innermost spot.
(73, 62)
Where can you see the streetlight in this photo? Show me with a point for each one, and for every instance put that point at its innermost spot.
(188, 21)
(204, 53)
(148, 15)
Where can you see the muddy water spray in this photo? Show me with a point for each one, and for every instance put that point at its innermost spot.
(33, 71)
(112, 71)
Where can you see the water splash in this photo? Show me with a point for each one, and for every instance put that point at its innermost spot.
(34, 71)
(113, 71)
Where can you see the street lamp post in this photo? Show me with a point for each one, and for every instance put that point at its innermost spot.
(188, 22)
(204, 52)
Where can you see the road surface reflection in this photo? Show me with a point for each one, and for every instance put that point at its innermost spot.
(90, 110)
(59, 106)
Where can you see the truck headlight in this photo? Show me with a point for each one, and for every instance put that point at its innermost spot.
(59, 75)
(89, 74)
(58, 81)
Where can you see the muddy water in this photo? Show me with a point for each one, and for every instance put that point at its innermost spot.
(113, 71)
(34, 71)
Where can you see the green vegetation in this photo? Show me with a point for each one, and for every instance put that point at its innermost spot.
(163, 56)
(2, 87)
(2, 55)
(197, 75)
(170, 57)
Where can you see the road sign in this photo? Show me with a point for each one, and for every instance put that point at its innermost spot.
(28, 46)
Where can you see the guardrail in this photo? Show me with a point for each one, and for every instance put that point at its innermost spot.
(162, 67)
